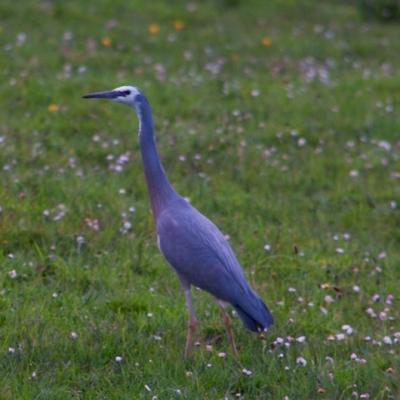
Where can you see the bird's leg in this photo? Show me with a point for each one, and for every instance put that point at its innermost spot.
(228, 326)
(192, 323)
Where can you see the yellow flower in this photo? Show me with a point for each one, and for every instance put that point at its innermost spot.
(266, 41)
(106, 41)
(52, 107)
(153, 29)
(179, 25)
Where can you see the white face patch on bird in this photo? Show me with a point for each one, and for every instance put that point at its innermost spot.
(122, 94)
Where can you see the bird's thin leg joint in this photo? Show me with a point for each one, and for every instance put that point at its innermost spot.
(192, 323)
(228, 326)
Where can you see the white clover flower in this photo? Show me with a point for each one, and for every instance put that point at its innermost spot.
(247, 371)
(328, 299)
(376, 297)
(340, 336)
(301, 361)
(347, 329)
(354, 173)
(301, 142)
(267, 247)
(387, 340)
(12, 274)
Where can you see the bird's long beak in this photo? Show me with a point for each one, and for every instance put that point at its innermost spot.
(102, 95)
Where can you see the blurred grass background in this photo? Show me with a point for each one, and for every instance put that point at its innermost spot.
(279, 120)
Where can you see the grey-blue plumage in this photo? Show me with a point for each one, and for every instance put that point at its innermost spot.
(201, 255)
(191, 243)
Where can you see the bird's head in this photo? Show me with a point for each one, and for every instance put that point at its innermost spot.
(129, 95)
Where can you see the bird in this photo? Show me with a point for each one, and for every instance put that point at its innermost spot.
(193, 245)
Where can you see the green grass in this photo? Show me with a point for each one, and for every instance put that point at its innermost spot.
(327, 77)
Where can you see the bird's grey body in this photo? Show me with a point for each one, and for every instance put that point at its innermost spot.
(201, 256)
(191, 243)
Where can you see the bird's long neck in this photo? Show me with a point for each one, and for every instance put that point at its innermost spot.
(160, 190)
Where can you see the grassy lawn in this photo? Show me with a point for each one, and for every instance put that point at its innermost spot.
(278, 119)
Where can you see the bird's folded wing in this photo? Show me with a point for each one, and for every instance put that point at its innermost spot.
(199, 252)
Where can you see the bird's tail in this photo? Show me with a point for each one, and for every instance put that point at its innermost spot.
(254, 314)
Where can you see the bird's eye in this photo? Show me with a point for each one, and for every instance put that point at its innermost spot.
(126, 92)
